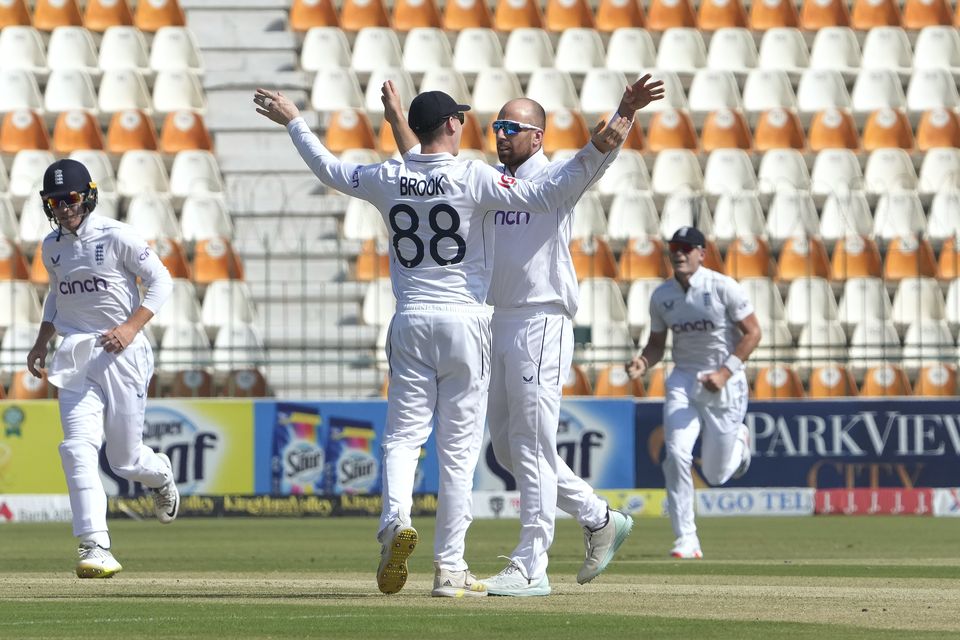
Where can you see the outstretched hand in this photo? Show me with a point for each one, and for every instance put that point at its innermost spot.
(275, 106)
(392, 106)
(607, 137)
(639, 94)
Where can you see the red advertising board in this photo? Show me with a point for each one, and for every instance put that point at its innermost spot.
(866, 502)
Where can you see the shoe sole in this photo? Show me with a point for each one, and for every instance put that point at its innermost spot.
(453, 592)
(691, 556)
(392, 573)
(96, 572)
(526, 593)
(617, 543)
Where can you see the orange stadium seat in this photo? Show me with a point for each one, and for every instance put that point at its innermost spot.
(778, 129)
(372, 262)
(634, 138)
(472, 136)
(154, 14)
(644, 258)
(936, 380)
(173, 257)
(619, 14)
(50, 14)
(568, 14)
(38, 272)
(349, 129)
(244, 383)
(918, 14)
(306, 14)
(938, 128)
(76, 130)
(577, 383)
(23, 129)
(385, 140)
(909, 258)
(613, 382)
(192, 383)
(712, 258)
(817, 15)
(671, 129)
(13, 266)
(358, 14)
(770, 14)
(25, 386)
(565, 130)
(748, 257)
(667, 14)
(467, 14)
(14, 13)
(657, 382)
(719, 14)
(131, 129)
(184, 130)
(948, 266)
(803, 257)
(100, 15)
(887, 128)
(215, 259)
(868, 14)
(517, 14)
(725, 129)
(833, 129)
(855, 257)
(885, 380)
(832, 381)
(592, 258)
(410, 14)
(777, 381)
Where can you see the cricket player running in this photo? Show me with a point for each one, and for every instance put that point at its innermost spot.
(535, 294)
(714, 331)
(439, 213)
(105, 363)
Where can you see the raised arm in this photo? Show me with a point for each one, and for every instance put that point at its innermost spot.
(404, 136)
(344, 177)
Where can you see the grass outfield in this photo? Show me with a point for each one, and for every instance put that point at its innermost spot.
(876, 577)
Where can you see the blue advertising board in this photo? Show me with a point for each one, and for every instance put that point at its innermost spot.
(830, 444)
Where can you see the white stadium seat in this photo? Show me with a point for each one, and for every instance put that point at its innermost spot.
(426, 48)
(527, 50)
(477, 49)
(375, 48)
(123, 47)
(325, 47)
(579, 50)
(631, 50)
(175, 48)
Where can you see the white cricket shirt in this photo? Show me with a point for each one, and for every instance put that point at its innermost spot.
(93, 276)
(533, 264)
(439, 212)
(703, 320)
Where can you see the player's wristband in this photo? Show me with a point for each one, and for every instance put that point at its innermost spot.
(733, 363)
(646, 363)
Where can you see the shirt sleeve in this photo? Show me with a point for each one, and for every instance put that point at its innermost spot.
(657, 323)
(50, 302)
(138, 258)
(738, 305)
(493, 189)
(349, 178)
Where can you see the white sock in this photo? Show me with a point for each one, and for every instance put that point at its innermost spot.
(100, 538)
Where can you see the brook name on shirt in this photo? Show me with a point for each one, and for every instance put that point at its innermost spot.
(416, 187)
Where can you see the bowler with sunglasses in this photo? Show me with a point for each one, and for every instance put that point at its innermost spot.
(535, 296)
(439, 216)
(714, 331)
(104, 364)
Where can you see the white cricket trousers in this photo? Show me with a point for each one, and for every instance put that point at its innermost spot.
(688, 410)
(108, 407)
(439, 358)
(532, 354)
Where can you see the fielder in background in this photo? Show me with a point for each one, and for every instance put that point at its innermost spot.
(439, 216)
(535, 294)
(104, 364)
(714, 331)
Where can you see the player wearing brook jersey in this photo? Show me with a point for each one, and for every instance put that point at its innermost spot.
(104, 364)
(714, 331)
(439, 213)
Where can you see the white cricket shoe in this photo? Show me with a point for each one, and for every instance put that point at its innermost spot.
(166, 499)
(456, 584)
(603, 543)
(687, 548)
(743, 435)
(513, 582)
(95, 561)
(397, 541)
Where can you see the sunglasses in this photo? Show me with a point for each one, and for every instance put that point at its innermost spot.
(511, 127)
(682, 247)
(459, 116)
(63, 199)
